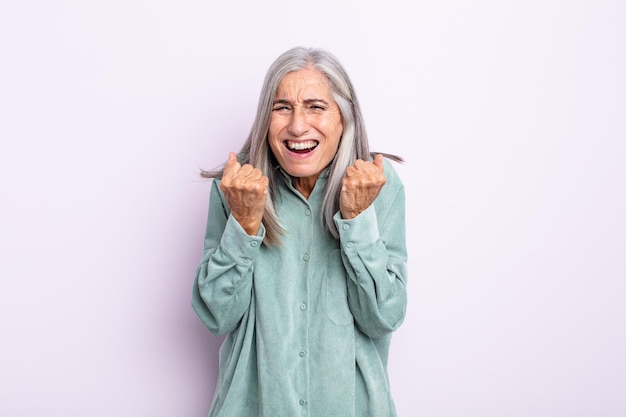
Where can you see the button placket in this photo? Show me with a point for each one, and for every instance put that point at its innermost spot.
(306, 250)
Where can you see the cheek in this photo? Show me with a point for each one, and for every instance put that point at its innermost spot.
(275, 146)
(272, 133)
(337, 130)
(271, 130)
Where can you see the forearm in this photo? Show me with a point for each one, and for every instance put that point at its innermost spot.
(376, 267)
(223, 281)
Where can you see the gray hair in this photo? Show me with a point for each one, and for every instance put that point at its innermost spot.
(353, 144)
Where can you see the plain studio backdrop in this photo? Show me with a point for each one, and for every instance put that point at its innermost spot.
(510, 115)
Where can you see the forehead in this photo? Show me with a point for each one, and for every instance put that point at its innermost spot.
(306, 81)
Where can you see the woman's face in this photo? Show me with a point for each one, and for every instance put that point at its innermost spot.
(305, 126)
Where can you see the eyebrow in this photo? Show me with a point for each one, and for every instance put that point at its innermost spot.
(307, 101)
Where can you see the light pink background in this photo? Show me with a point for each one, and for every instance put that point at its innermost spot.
(511, 118)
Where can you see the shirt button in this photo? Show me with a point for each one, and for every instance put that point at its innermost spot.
(302, 306)
(346, 227)
(302, 401)
(253, 244)
(302, 353)
(306, 257)
(307, 212)
(350, 244)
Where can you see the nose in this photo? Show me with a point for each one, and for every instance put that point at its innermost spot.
(298, 124)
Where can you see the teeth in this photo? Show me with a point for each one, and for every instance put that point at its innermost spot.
(299, 146)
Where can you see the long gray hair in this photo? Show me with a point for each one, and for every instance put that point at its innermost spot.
(353, 144)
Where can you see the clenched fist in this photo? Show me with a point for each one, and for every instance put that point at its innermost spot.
(245, 190)
(360, 186)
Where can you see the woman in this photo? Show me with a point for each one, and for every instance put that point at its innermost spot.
(304, 260)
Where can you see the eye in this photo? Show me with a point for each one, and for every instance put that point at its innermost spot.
(281, 109)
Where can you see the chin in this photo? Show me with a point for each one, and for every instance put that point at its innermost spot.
(301, 173)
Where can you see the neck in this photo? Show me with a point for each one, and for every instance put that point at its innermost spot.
(305, 185)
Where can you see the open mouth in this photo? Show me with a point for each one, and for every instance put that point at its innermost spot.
(301, 147)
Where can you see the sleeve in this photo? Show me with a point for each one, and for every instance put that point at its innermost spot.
(223, 284)
(373, 250)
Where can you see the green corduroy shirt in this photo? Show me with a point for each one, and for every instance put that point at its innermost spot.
(309, 322)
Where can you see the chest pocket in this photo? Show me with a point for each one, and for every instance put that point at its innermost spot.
(336, 291)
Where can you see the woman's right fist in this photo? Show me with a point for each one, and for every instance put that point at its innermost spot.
(245, 190)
